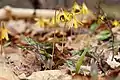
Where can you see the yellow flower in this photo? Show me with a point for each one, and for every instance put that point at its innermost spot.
(84, 9)
(3, 33)
(64, 16)
(100, 19)
(115, 23)
(55, 20)
(75, 8)
(39, 22)
(42, 22)
(75, 24)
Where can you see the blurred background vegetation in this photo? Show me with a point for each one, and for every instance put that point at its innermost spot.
(52, 3)
(111, 7)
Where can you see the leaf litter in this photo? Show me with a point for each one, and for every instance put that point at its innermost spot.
(84, 50)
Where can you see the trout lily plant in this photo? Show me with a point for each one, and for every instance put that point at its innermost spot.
(65, 16)
(3, 32)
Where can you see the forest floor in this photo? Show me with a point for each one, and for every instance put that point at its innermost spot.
(89, 52)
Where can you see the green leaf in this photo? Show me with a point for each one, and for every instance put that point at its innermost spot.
(7, 44)
(103, 35)
(105, 32)
(43, 52)
(94, 26)
(77, 52)
(80, 60)
(21, 47)
(71, 65)
(30, 41)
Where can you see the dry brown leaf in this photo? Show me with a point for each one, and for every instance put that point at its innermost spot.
(81, 41)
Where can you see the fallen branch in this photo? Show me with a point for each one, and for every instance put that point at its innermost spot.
(7, 12)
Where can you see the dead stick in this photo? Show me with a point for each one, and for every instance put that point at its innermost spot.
(25, 13)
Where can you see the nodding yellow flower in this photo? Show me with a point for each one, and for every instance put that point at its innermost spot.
(84, 9)
(75, 8)
(65, 16)
(3, 32)
(42, 22)
(116, 23)
(100, 19)
(75, 23)
(55, 20)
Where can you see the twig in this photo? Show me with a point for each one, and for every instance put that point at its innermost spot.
(97, 58)
(1, 34)
(108, 23)
(53, 40)
(1, 46)
(63, 37)
(113, 40)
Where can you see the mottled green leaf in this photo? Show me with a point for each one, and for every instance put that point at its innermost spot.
(71, 65)
(77, 52)
(103, 35)
(94, 26)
